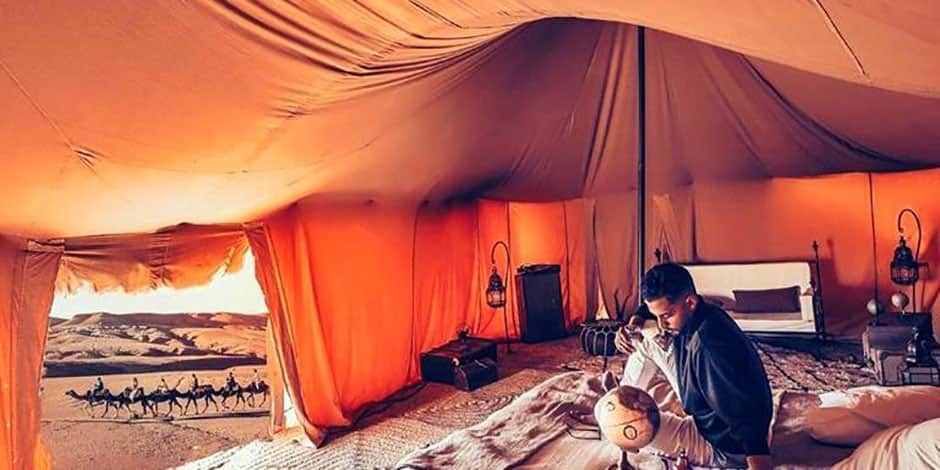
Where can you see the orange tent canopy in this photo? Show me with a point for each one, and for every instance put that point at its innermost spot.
(125, 119)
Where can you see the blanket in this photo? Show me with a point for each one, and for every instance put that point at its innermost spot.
(531, 433)
(514, 432)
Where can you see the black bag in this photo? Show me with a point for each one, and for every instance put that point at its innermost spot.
(473, 375)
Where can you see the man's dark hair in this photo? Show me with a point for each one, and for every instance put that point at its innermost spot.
(668, 280)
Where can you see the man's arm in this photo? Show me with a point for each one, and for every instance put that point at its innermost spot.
(737, 390)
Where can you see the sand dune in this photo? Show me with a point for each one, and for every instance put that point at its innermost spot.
(103, 343)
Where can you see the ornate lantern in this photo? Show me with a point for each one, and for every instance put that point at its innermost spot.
(496, 292)
(904, 267)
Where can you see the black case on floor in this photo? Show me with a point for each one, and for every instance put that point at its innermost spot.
(476, 374)
(440, 364)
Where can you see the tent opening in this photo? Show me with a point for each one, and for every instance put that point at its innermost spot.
(114, 357)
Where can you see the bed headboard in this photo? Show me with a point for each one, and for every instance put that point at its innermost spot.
(721, 279)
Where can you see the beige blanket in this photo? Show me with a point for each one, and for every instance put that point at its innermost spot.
(531, 433)
(513, 433)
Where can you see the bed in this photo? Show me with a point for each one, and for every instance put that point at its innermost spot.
(768, 283)
(537, 431)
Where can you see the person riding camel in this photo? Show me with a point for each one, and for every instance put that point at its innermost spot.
(256, 379)
(135, 386)
(230, 382)
(98, 387)
(163, 387)
(193, 382)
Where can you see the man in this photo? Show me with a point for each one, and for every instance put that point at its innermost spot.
(256, 378)
(163, 387)
(193, 383)
(230, 382)
(712, 365)
(98, 388)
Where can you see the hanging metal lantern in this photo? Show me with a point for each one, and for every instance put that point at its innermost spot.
(496, 291)
(904, 267)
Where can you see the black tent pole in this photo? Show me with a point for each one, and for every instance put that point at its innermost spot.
(641, 161)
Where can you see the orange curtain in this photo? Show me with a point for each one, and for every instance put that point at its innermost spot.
(27, 280)
(356, 293)
(448, 292)
(338, 284)
(536, 233)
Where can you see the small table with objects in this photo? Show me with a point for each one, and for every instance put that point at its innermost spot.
(885, 347)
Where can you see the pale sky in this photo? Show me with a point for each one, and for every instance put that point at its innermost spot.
(234, 293)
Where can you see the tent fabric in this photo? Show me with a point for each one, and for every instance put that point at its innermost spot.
(348, 328)
(380, 142)
(27, 280)
(218, 112)
(180, 256)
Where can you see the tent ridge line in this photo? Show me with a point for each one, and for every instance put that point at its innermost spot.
(805, 120)
(845, 44)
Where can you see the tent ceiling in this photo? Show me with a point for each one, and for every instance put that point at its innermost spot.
(127, 117)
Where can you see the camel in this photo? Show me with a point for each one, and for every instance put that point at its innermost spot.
(105, 397)
(171, 396)
(206, 392)
(150, 401)
(227, 392)
(252, 390)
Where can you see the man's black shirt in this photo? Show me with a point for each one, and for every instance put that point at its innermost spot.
(722, 382)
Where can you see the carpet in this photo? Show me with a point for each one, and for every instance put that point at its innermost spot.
(437, 410)
(792, 367)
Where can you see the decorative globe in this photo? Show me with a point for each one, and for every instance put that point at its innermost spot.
(628, 417)
(900, 300)
(875, 307)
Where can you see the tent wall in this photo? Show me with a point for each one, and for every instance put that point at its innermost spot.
(356, 293)
(27, 282)
(778, 219)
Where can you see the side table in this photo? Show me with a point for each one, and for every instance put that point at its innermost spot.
(885, 345)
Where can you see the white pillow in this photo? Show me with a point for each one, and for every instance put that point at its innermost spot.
(904, 447)
(850, 417)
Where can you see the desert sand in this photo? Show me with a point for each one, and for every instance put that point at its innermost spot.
(78, 442)
(148, 346)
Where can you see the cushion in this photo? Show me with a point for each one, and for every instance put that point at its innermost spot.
(903, 447)
(786, 299)
(725, 303)
(850, 417)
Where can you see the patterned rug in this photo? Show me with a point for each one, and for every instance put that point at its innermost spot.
(792, 366)
(435, 410)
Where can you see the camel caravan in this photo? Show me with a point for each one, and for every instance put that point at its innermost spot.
(172, 396)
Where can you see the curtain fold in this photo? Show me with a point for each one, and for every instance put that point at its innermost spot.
(180, 256)
(27, 283)
(291, 356)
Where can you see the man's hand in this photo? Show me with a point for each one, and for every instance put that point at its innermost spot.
(759, 462)
(622, 341)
